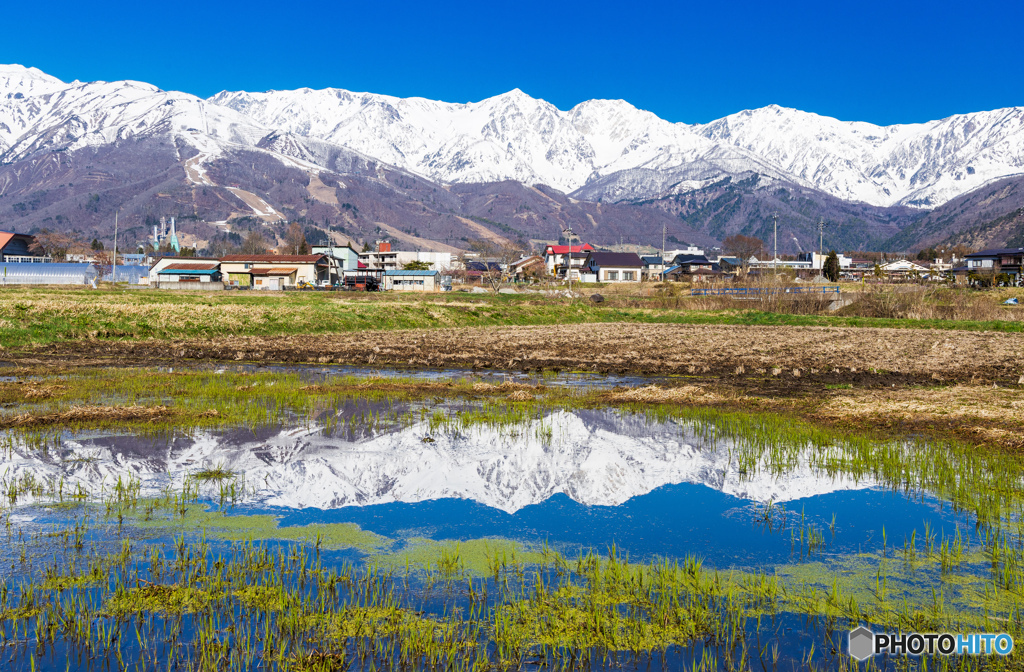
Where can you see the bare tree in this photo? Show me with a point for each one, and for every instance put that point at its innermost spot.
(254, 243)
(295, 240)
(743, 247)
(58, 245)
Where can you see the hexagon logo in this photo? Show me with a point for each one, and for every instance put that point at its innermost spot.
(861, 643)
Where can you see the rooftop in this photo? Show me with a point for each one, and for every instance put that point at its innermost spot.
(272, 271)
(190, 267)
(616, 259)
(274, 258)
(996, 251)
(563, 249)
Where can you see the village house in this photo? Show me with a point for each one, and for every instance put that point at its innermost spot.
(904, 268)
(527, 268)
(559, 258)
(653, 267)
(345, 257)
(994, 262)
(16, 248)
(612, 267)
(186, 273)
(412, 281)
(275, 271)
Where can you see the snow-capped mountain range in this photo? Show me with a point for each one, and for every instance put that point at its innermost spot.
(604, 149)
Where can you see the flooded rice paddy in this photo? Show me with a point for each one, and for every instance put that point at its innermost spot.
(318, 519)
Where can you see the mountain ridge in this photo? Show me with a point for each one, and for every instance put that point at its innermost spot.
(624, 173)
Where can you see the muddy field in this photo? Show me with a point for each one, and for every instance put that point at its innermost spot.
(767, 357)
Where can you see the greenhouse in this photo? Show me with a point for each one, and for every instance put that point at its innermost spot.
(129, 274)
(47, 274)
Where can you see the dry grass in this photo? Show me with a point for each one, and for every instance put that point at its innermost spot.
(654, 394)
(90, 414)
(984, 414)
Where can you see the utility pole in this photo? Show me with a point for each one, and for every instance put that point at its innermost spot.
(570, 234)
(775, 254)
(821, 250)
(663, 262)
(113, 266)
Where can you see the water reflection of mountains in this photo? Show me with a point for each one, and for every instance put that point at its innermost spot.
(594, 457)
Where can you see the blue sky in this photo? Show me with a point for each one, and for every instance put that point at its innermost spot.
(884, 62)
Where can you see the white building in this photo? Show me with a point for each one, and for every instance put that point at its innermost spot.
(439, 261)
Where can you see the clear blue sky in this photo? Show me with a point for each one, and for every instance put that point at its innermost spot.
(884, 61)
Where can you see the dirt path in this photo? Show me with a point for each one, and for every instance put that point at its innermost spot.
(766, 357)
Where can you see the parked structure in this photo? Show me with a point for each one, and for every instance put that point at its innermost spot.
(16, 248)
(612, 267)
(363, 280)
(412, 281)
(275, 271)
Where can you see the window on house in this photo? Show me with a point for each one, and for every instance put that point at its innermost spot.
(611, 275)
(628, 275)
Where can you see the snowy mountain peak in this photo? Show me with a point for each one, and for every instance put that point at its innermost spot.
(604, 149)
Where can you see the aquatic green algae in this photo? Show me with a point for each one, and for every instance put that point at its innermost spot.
(261, 527)
(471, 557)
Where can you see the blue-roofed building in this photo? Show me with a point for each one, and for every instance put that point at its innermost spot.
(412, 281)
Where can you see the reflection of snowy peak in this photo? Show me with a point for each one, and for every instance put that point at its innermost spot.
(595, 460)
(599, 149)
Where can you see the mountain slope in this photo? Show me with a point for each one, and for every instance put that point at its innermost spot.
(977, 211)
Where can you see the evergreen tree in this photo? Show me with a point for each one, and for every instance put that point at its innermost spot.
(831, 268)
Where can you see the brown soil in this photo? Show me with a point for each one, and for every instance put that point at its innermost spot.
(768, 359)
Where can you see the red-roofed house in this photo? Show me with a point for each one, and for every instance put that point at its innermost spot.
(557, 258)
(17, 248)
